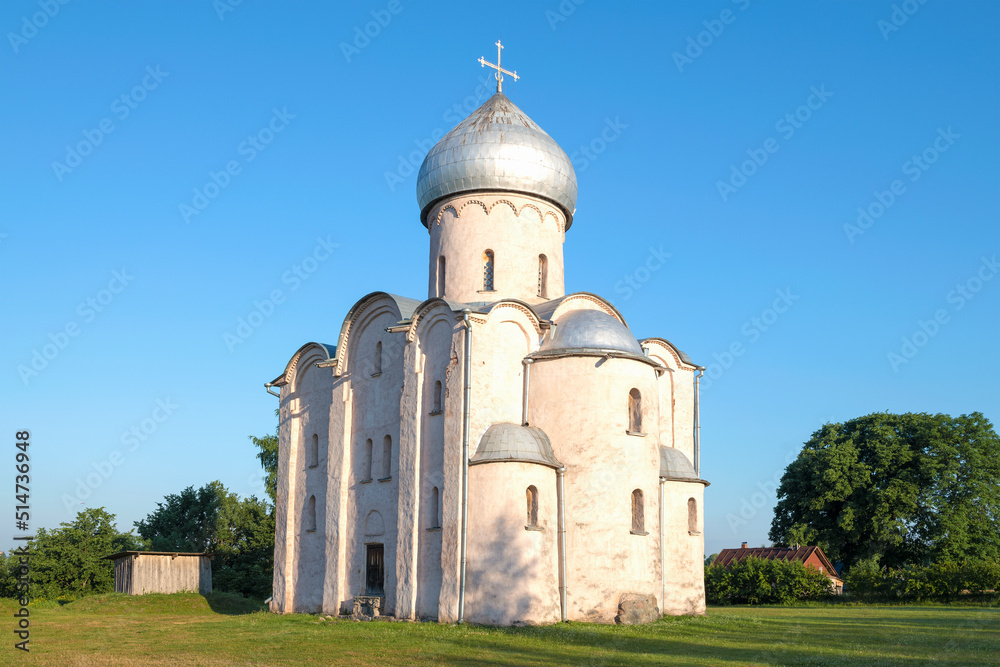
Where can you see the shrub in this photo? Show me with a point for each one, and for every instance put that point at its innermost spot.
(759, 581)
(949, 580)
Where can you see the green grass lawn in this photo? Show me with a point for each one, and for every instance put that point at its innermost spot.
(190, 629)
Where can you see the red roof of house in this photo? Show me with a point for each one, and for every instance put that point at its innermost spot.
(801, 555)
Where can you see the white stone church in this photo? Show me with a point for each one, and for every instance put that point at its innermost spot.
(500, 452)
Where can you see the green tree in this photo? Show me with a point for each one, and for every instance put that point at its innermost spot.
(268, 457)
(909, 488)
(239, 533)
(184, 521)
(69, 560)
(243, 545)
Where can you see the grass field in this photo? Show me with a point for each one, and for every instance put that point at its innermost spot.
(223, 630)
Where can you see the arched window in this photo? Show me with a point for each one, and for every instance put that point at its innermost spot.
(441, 276)
(543, 275)
(309, 521)
(313, 456)
(692, 515)
(387, 457)
(436, 399)
(366, 471)
(488, 267)
(435, 509)
(531, 495)
(635, 411)
(378, 359)
(638, 512)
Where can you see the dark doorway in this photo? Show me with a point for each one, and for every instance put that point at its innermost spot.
(375, 570)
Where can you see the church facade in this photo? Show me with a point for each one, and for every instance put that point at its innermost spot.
(500, 452)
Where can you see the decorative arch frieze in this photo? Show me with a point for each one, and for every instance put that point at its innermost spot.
(522, 308)
(488, 209)
(364, 308)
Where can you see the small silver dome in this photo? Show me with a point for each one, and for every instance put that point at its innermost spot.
(592, 329)
(513, 442)
(497, 148)
(674, 465)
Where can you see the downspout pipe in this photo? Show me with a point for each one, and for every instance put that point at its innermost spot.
(663, 557)
(268, 386)
(561, 491)
(466, 418)
(697, 422)
(527, 386)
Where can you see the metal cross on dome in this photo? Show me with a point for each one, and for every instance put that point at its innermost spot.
(500, 70)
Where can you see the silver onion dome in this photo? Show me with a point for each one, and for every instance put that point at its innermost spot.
(497, 148)
(590, 329)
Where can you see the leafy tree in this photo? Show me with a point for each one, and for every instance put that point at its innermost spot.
(910, 488)
(268, 457)
(184, 521)
(239, 533)
(243, 545)
(69, 560)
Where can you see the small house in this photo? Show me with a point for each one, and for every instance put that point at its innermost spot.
(140, 572)
(809, 556)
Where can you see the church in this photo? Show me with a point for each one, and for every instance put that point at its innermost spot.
(499, 452)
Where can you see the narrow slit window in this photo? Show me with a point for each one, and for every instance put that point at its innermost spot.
(635, 411)
(692, 515)
(543, 275)
(378, 358)
(441, 276)
(313, 457)
(386, 457)
(638, 512)
(310, 518)
(366, 472)
(488, 270)
(436, 400)
(435, 508)
(531, 495)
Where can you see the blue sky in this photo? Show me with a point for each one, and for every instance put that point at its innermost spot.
(739, 137)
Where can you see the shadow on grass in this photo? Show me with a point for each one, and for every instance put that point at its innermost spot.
(233, 604)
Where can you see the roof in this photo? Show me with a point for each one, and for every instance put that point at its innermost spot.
(512, 442)
(497, 148)
(800, 555)
(675, 465)
(122, 554)
(590, 329)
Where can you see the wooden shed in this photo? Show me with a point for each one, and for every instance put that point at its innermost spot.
(139, 572)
